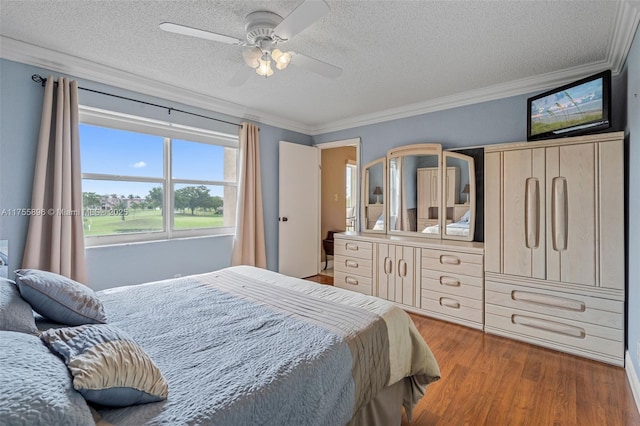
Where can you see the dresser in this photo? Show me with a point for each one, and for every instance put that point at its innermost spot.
(438, 278)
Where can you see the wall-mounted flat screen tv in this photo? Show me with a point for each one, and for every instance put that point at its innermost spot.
(583, 106)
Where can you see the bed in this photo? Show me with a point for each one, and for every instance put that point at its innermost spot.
(245, 346)
(459, 228)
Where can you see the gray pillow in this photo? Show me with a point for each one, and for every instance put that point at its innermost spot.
(107, 366)
(15, 313)
(36, 387)
(59, 298)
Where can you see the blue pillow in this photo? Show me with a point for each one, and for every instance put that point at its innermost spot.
(107, 366)
(59, 298)
(15, 313)
(35, 388)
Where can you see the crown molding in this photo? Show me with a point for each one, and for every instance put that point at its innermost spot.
(627, 19)
(486, 94)
(626, 23)
(77, 67)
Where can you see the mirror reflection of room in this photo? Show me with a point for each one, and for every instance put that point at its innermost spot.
(374, 209)
(431, 192)
(414, 188)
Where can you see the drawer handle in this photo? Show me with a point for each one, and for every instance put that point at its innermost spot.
(351, 264)
(351, 280)
(559, 216)
(546, 325)
(449, 303)
(532, 210)
(449, 260)
(451, 282)
(545, 300)
(351, 246)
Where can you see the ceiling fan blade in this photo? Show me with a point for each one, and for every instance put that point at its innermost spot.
(302, 17)
(194, 32)
(316, 66)
(241, 77)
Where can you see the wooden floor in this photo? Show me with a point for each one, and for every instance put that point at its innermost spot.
(491, 380)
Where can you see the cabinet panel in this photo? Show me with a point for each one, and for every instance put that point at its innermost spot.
(493, 212)
(522, 213)
(611, 211)
(571, 215)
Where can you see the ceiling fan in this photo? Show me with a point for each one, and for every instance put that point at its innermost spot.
(265, 32)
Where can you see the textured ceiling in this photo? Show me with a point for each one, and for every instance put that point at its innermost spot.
(394, 53)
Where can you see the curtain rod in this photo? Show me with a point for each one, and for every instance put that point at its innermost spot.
(39, 79)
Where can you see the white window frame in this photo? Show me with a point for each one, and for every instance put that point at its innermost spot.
(169, 131)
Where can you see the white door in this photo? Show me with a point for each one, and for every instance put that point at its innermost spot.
(299, 210)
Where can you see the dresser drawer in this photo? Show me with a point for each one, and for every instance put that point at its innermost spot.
(593, 310)
(351, 248)
(452, 283)
(455, 306)
(456, 262)
(354, 266)
(352, 282)
(591, 340)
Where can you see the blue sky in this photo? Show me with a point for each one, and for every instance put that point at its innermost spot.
(118, 152)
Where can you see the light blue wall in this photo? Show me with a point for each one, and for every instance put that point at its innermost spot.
(633, 191)
(20, 111)
(499, 121)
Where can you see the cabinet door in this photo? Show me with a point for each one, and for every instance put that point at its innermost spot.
(571, 214)
(523, 207)
(385, 266)
(397, 267)
(405, 282)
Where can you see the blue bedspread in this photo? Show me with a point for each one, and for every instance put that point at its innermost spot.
(237, 350)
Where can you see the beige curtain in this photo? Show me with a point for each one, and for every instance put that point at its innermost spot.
(55, 241)
(249, 244)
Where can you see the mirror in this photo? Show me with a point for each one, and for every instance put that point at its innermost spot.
(458, 196)
(414, 190)
(373, 197)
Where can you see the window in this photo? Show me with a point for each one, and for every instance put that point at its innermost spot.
(148, 180)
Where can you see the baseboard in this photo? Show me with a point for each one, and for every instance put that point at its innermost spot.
(634, 381)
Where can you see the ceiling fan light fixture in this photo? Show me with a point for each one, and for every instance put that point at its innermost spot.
(252, 56)
(264, 69)
(282, 59)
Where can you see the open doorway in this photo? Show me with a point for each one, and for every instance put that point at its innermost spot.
(339, 195)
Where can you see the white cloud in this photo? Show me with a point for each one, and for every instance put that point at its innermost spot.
(139, 165)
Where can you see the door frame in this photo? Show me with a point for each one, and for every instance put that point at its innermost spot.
(354, 142)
